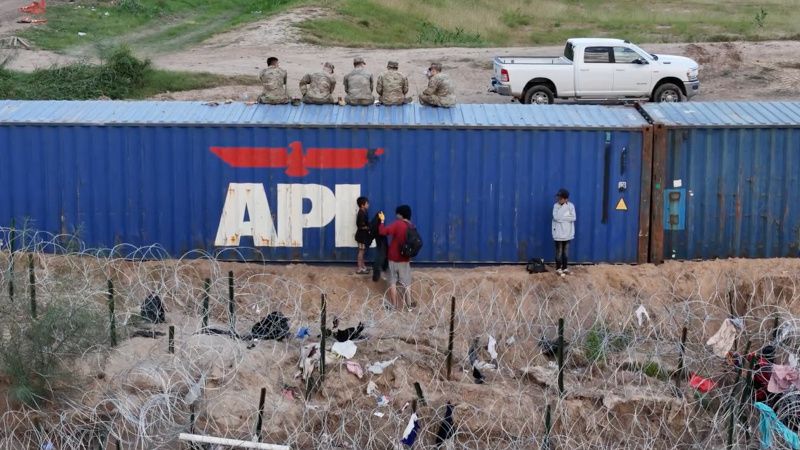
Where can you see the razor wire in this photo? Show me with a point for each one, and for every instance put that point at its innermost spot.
(625, 386)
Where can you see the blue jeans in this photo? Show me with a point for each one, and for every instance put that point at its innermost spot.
(561, 254)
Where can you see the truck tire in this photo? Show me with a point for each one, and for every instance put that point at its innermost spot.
(668, 93)
(539, 95)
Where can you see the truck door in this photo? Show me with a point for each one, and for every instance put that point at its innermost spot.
(632, 74)
(594, 76)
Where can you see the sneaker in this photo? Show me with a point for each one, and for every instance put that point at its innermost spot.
(559, 272)
(565, 271)
(363, 271)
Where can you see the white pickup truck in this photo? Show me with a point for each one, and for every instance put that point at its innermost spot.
(595, 69)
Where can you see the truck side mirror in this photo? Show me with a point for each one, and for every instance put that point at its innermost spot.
(640, 61)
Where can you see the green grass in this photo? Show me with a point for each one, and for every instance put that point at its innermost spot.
(168, 25)
(121, 76)
(400, 23)
(158, 25)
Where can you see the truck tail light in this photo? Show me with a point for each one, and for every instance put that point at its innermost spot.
(504, 75)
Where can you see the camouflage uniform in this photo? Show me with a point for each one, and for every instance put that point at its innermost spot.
(317, 88)
(358, 86)
(392, 88)
(440, 92)
(275, 93)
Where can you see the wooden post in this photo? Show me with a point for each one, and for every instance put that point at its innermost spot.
(451, 336)
(231, 304)
(561, 356)
(420, 396)
(547, 428)
(322, 340)
(32, 284)
(260, 413)
(112, 319)
(681, 364)
(206, 288)
(171, 340)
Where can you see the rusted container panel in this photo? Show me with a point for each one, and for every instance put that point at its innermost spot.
(731, 184)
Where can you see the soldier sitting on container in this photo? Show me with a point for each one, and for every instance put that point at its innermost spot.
(358, 85)
(440, 90)
(317, 88)
(392, 86)
(274, 79)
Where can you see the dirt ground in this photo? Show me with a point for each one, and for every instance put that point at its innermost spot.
(728, 71)
(611, 401)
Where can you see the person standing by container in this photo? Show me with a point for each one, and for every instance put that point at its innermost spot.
(317, 88)
(274, 79)
(392, 86)
(399, 265)
(563, 229)
(363, 234)
(440, 90)
(358, 84)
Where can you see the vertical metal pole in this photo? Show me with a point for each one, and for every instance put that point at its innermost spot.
(231, 304)
(11, 238)
(171, 339)
(260, 413)
(775, 325)
(32, 284)
(112, 318)
(451, 336)
(420, 396)
(681, 364)
(322, 340)
(561, 356)
(547, 428)
(206, 288)
(732, 400)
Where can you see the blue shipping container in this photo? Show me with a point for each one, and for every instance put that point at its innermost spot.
(279, 183)
(731, 183)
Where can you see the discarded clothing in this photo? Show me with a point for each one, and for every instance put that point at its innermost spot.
(472, 353)
(783, 378)
(348, 334)
(703, 385)
(410, 433)
(345, 349)
(309, 358)
(195, 390)
(274, 326)
(378, 367)
(372, 388)
(152, 334)
(769, 423)
(477, 375)
(446, 427)
(641, 315)
(492, 349)
(355, 368)
(722, 342)
(303, 333)
(153, 309)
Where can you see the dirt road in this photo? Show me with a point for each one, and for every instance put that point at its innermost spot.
(729, 71)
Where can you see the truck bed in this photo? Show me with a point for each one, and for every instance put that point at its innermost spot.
(551, 60)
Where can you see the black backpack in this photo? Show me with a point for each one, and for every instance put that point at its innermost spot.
(413, 243)
(536, 265)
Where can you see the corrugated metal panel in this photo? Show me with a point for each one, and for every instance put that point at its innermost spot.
(725, 114)
(478, 195)
(732, 192)
(195, 113)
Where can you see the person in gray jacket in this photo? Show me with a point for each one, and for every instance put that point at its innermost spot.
(563, 229)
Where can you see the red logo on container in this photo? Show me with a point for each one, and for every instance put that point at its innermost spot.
(295, 160)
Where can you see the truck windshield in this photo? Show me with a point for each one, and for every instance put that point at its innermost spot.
(569, 52)
(643, 53)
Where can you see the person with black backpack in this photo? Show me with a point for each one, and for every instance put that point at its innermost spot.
(405, 244)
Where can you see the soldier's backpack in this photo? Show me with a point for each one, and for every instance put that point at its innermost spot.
(413, 243)
(153, 309)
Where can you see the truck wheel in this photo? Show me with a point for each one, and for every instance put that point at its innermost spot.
(539, 95)
(668, 93)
